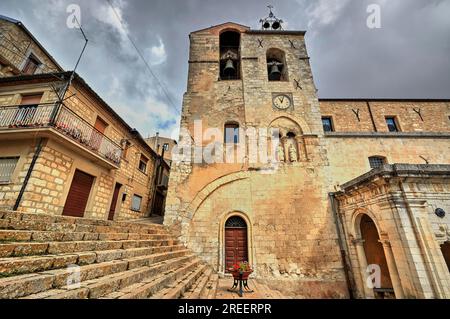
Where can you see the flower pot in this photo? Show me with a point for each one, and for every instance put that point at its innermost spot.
(245, 274)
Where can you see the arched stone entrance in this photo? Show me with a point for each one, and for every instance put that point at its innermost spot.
(374, 253)
(236, 241)
(445, 249)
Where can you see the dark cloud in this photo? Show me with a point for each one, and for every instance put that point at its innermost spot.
(407, 57)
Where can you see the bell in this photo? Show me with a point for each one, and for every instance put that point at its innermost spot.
(275, 73)
(276, 25)
(229, 69)
(266, 25)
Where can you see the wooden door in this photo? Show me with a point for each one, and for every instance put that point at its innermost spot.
(236, 247)
(97, 134)
(445, 248)
(77, 199)
(31, 99)
(112, 209)
(26, 113)
(374, 250)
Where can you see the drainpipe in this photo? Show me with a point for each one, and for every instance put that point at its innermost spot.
(27, 177)
(338, 224)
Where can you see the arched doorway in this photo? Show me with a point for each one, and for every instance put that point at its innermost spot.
(236, 245)
(445, 248)
(374, 252)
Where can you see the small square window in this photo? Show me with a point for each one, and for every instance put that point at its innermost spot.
(327, 123)
(143, 164)
(7, 167)
(376, 161)
(136, 203)
(392, 124)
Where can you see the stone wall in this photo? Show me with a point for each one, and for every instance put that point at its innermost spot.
(434, 115)
(16, 45)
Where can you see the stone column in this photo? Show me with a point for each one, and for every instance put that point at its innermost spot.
(301, 149)
(392, 266)
(283, 143)
(359, 245)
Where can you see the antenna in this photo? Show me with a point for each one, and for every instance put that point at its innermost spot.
(72, 75)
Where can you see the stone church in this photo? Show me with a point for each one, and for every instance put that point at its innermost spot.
(349, 198)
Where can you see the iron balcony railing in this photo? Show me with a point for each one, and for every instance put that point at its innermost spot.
(65, 121)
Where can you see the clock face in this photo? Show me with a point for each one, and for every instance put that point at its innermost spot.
(282, 102)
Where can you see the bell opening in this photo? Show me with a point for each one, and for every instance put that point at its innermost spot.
(276, 65)
(229, 55)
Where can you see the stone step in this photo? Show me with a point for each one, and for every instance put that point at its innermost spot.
(80, 228)
(109, 285)
(199, 288)
(43, 236)
(23, 285)
(150, 286)
(211, 287)
(179, 287)
(22, 265)
(21, 249)
(45, 222)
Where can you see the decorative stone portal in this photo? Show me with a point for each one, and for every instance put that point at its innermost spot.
(236, 244)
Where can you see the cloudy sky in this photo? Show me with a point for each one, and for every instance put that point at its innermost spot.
(408, 57)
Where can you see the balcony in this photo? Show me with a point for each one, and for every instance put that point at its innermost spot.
(68, 125)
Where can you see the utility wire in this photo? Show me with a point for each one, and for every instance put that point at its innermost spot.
(158, 81)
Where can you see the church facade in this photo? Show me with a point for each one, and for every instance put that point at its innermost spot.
(324, 198)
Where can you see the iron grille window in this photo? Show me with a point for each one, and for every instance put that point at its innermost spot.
(235, 222)
(327, 124)
(7, 167)
(392, 124)
(136, 203)
(376, 161)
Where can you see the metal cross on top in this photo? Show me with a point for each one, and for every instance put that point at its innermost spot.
(271, 22)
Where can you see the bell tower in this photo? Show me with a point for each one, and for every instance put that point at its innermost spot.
(251, 97)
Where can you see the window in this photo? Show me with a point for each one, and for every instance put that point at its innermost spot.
(31, 65)
(276, 65)
(136, 203)
(230, 55)
(7, 167)
(376, 161)
(392, 124)
(327, 123)
(231, 133)
(143, 164)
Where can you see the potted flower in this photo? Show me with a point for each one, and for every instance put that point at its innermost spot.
(241, 271)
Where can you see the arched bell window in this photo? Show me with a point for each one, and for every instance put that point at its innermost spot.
(276, 65)
(230, 55)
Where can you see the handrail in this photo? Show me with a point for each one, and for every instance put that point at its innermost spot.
(65, 121)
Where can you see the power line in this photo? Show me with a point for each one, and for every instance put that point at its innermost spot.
(158, 81)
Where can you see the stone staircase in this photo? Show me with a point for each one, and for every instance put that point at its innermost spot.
(42, 255)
